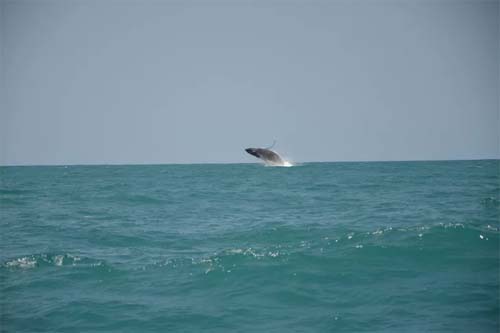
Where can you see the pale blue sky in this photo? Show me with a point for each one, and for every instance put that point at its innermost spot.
(97, 82)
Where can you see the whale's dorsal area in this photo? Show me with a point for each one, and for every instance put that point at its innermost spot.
(268, 156)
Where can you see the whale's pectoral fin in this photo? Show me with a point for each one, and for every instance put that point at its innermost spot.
(274, 142)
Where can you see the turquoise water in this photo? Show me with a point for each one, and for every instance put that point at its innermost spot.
(320, 247)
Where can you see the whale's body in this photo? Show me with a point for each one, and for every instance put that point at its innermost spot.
(268, 156)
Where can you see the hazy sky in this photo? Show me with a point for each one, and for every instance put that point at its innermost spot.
(199, 81)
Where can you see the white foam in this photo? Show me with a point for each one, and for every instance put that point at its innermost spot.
(58, 260)
(24, 262)
(286, 164)
(273, 254)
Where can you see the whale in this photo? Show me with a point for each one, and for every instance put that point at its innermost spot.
(268, 156)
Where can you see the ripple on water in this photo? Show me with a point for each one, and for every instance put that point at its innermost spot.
(44, 260)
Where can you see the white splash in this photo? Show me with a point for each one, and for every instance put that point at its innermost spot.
(58, 260)
(285, 164)
(24, 262)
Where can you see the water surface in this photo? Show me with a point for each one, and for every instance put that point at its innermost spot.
(403, 246)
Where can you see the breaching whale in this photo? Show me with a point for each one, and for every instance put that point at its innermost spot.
(268, 156)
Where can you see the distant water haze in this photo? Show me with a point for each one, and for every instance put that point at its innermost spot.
(100, 82)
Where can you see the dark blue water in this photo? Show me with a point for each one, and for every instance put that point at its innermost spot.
(343, 247)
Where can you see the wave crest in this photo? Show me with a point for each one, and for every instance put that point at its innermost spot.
(40, 260)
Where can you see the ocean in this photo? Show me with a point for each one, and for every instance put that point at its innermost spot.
(318, 247)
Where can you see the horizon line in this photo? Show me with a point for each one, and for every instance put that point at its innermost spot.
(230, 163)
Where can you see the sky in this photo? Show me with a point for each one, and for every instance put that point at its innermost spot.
(133, 82)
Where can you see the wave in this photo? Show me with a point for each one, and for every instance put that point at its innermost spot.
(297, 248)
(43, 260)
